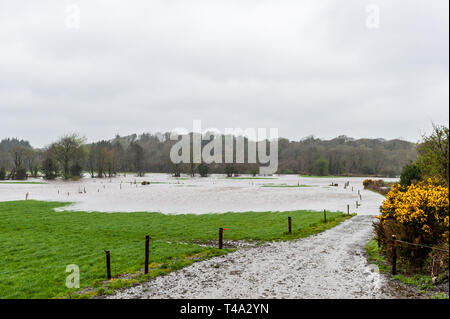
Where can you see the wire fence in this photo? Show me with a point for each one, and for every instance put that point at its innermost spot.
(420, 245)
(394, 245)
(117, 259)
(96, 256)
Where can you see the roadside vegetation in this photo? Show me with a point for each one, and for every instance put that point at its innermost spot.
(423, 282)
(38, 243)
(416, 211)
(378, 186)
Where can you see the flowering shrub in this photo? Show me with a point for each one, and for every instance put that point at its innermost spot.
(419, 214)
(423, 208)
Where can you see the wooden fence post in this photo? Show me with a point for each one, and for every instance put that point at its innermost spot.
(348, 209)
(108, 264)
(290, 224)
(394, 255)
(220, 238)
(147, 243)
(324, 216)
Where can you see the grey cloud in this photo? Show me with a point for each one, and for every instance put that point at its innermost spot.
(306, 67)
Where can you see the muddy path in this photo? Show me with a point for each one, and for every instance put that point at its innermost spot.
(328, 265)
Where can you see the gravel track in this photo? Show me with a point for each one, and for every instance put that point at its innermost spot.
(331, 264)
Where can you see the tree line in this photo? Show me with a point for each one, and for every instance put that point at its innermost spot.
(432, 161)
(70, 156)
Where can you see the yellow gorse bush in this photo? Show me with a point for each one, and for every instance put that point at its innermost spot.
(422, 207)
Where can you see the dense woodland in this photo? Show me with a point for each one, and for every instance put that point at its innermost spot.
(71, 155)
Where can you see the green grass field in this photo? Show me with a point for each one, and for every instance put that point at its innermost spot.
(37, 243)
(22, 183)
(324, 176)
(284, 185)
(249, 178)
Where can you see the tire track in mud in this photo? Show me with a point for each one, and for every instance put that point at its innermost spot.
(331, 264)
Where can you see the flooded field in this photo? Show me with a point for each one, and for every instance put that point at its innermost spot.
(214, 194)
(331, 264)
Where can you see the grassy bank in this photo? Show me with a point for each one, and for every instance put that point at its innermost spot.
(37, 243)
(378, 186)
(419, 281)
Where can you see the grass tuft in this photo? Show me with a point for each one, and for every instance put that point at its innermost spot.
(375, 257)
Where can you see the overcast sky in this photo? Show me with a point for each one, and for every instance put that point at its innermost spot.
(305, 67)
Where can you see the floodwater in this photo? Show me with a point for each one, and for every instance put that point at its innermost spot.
(213, 194)
(331, 264)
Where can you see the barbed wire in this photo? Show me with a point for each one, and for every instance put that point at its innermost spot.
(420, 245)
(100, 254)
